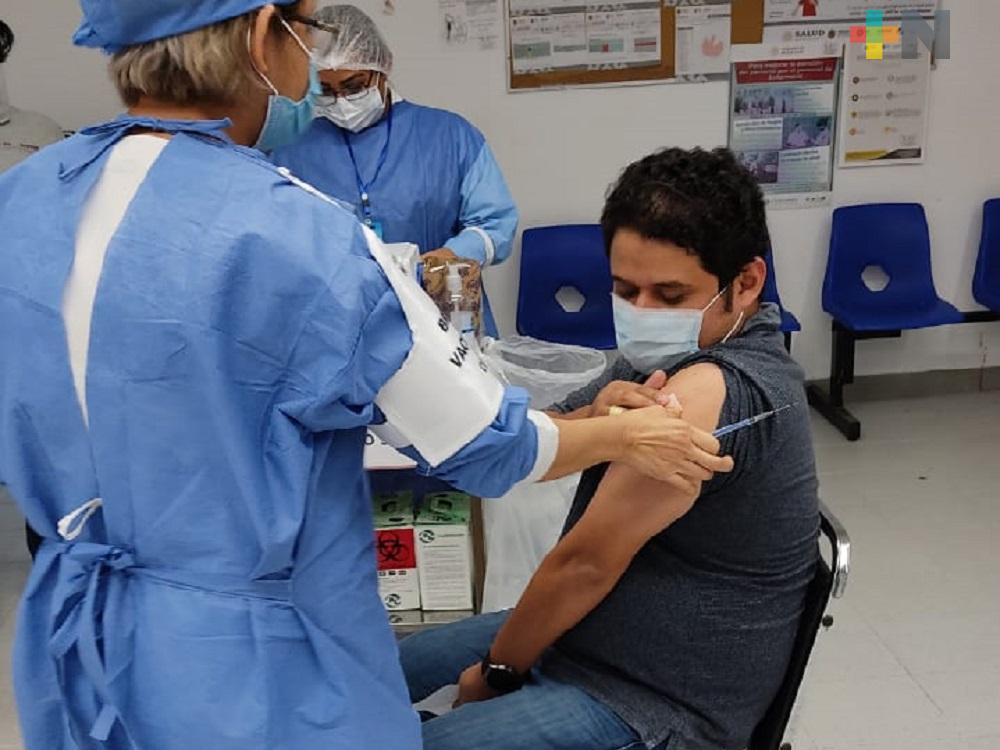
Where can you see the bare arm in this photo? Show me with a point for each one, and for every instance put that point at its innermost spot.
(625, 513)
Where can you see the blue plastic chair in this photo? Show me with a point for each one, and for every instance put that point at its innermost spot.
(986, 284)
(566, 256)
(895, 237)
(789, 323)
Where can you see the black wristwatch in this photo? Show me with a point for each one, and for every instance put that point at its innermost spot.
(501, 678)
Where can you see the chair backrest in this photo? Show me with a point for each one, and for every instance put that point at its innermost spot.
(770, 293)
(789, 323)
(770, 732)
(558, 257)
(986, 284)
(892, 236)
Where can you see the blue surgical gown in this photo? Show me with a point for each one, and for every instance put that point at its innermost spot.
(437, 181)
(225, 597)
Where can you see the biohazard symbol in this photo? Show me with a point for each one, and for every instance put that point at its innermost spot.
(392, 549)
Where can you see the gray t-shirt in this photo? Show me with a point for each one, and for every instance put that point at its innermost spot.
(692, 644)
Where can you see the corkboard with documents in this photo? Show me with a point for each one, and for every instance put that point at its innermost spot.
(593, 44)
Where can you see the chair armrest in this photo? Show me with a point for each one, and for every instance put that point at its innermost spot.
(840, 545)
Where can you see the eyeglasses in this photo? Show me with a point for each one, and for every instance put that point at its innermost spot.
(312, 23)
(352, 89)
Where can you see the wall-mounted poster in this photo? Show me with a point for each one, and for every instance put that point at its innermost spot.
(703, 34)
(884, 108)
(470, 24)
(783, 117)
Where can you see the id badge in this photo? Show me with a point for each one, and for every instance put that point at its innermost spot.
(376, 227)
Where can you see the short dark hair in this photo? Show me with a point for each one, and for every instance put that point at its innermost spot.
(6, 41)
(702, 201)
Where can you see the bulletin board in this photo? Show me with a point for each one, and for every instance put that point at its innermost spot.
(747, 28)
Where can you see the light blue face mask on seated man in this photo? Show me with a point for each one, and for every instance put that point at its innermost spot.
(655, 338)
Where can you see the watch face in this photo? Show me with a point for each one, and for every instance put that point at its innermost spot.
(503, 679)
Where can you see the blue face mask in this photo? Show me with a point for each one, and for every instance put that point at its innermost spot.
(287, 120)
(656, 338)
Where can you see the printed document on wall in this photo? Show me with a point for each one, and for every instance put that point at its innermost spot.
(884, 108)
(561, 35)
(832, 36)
(470, 24)
(703, 34)
(783, 114)
(782, 11)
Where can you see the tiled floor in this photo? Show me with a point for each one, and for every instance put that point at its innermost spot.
(913, 662)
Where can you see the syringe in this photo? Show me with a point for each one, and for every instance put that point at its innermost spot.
(749, 421)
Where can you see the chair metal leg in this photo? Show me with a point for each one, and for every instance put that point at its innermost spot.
(844, 341)
(831, 403)
(981, 316)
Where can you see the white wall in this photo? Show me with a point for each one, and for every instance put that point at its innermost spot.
(560, 150)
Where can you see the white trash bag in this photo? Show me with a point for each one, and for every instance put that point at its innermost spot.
(521, 528)
(524, 525)
(549, 372)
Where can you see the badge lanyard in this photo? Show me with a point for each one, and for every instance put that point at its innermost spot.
(364, 187)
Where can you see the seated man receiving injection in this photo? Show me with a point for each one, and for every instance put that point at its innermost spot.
(666, 615)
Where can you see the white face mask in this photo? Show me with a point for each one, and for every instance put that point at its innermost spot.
(653, 338)
(353, 114)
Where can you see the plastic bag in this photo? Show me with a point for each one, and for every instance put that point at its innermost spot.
(406, 255)
(520, 529)
(549, 372)
(524, 525)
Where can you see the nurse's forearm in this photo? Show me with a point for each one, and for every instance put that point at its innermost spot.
(586, 442)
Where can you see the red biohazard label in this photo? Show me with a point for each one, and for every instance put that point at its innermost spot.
(395, 549)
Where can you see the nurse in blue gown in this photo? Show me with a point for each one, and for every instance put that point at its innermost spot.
(412, 173)
(193, 346)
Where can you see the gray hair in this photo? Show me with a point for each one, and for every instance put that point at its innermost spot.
(210, 64)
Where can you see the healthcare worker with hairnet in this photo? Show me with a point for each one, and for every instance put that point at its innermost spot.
(413, 173)
(193, 345)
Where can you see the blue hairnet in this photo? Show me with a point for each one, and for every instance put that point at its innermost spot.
(356, 44)
(114, 24)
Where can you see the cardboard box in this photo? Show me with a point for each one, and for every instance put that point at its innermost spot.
(444, 552)
(395, 550)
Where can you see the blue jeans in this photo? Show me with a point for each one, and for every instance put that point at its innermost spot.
(544, 714)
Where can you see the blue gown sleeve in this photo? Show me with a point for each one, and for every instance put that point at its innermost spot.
(488, 215)
(501, 456)
(352, 343)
